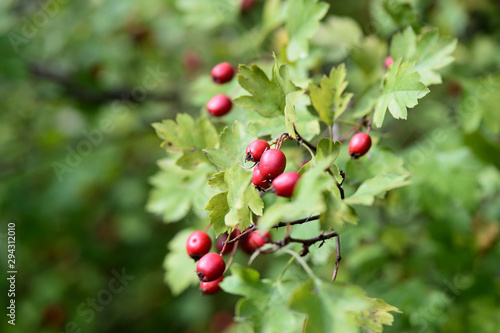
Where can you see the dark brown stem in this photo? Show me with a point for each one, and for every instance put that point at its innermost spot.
(232, 256)
(339, 257)
(306, 243)
(300, 221)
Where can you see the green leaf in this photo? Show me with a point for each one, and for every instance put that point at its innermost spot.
(218, 207)
(217, 181)
(401, 89)
(376, 316)
(330, 307)
(234, 143)
(264, 306)
(302, 21)
(327, 98)
(267, 97)
(176, 190)
(186, 135)
(252, 198)
(179, 268)
(246, 282)
(365, 194)
(337, 213)
(382, 161)
(428, 50)
(238, 181)
(326, 148)
(291, 92)
(191, 160)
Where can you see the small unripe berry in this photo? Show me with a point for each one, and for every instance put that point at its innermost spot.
(388, 61)
(272, 163)
(210, 267)
(258, 181)
(255, 150)
(212, 287)
(222, 73)
(219, 241)
(359, 145)
(254, 240)
(285, 183)
(219, 105)
(198, 244)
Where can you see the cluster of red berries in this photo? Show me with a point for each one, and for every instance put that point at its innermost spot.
(211, 266)
(221, 104)
(269, 167)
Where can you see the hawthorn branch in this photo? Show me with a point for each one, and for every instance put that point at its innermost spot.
(300, 221)
(306, 243)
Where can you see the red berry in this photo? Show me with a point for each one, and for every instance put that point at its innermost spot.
(210, 267)
(360, 143)
(388, 61)
(255, 150)
(222, 73)
(212, 287)
(219, 241)
(198, 244)
(258, 181)
(285, 183)
(219, 105)
(272, 163)
(254, 241)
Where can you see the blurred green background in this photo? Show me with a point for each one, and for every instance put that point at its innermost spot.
(80, 84)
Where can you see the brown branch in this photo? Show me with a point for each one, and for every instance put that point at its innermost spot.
(300, 221)
(306, 243)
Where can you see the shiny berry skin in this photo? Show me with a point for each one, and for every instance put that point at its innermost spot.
(212, 287)
(219, 105)
(272, 163)
(255, 150)
(360, 144)
(254, 240)
(198, 244)
(388, 61)
(258, 181)
(210, 267)
(219, 241)
(285, 183)
(222, 73)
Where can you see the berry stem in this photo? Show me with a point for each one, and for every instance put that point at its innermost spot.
(364, 121)
(206, 228)
(232, 256)
(250, 229)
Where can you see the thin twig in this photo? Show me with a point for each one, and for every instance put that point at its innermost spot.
(300, 221)
(339, 257)
(232, 256)
(302, 141)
